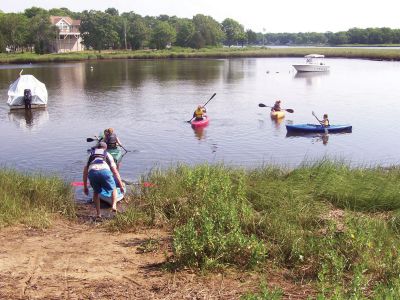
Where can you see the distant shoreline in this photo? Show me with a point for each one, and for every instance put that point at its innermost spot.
(214, 53)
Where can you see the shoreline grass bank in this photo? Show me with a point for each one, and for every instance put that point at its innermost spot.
(212, 53)
(331, 226)
(33, 199)
(327, 225)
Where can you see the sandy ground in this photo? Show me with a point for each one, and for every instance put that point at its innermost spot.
(81, 260)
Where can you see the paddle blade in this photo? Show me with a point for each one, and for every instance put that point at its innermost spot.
(90, 140)
(289, 110)
(77, 183)
(262, 105)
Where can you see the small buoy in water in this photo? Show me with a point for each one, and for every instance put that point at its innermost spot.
(277, 72)
(267, 72)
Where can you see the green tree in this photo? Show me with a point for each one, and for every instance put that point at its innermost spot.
(337, 38)
(63, 11)
(208, 31)
(34, 11)
(163, 34)
(112, 11)
(99, 30)
(42, 33)
(251, 37)
(15, 28)
(185, 31)
(137, 30)
(358, 36)
(233, 31)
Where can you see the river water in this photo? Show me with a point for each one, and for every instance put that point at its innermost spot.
(148, 101)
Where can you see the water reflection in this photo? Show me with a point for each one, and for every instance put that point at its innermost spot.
(277, 122)
(315, 137)
(311, 77)
(27, 118)
(199, 133)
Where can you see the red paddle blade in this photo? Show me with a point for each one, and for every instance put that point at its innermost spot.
(77, 183)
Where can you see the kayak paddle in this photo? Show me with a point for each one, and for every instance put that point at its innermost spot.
(320, 122)
(289, 110)
(203, 106)
(92, 140)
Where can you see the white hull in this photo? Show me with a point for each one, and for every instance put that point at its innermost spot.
(311, 68)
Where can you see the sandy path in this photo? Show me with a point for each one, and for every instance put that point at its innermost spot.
(74, 260)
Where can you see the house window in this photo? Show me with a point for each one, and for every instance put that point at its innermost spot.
(63, 27)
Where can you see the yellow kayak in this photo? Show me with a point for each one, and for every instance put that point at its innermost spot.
(278, 114)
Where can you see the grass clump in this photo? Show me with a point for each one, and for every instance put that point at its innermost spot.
(33, 199)
(264, 294)
(331, 225)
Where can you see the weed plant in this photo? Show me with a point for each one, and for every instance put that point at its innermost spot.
(333, 226)
(33, 199)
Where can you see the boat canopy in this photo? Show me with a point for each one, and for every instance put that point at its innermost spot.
(314, 56)
(16, 91)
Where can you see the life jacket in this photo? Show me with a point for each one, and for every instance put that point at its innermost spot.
(199, 113)
(111, 141)
(98, 156)
(325, 122)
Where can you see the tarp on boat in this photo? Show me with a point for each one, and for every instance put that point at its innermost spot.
(16, 91)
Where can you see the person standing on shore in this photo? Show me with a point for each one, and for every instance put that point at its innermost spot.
(103, 174)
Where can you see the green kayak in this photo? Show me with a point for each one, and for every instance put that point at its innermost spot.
(116, 154)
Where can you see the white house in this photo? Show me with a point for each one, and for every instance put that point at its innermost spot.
(69, 37)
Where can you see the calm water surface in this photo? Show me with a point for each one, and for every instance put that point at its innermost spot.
(147, 102)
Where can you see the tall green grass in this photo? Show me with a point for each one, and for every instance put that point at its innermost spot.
(33, 199)
(332, 225)
(181, 53)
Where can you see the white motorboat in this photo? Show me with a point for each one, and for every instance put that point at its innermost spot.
(314, 63)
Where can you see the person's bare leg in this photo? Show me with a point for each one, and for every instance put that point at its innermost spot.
(96, 200)
(114, 200)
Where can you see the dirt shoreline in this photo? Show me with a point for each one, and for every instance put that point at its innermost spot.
(81, 260)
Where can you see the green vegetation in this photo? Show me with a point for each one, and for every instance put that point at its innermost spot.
(264, 294)
(183, 53)
(334, 227)
(33, 199)
(33, 31)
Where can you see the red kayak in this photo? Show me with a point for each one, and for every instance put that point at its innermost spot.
(201, 123)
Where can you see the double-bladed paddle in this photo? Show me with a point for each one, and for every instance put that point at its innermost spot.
(203, 106)
(97, 139)
(289, 110)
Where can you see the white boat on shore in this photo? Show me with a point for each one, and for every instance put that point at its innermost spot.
(314, 63)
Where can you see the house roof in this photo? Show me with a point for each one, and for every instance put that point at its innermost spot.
(55, 19)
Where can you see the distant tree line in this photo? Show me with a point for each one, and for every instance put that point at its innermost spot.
(32, 31)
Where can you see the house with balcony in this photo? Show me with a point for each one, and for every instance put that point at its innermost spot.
(69, 37)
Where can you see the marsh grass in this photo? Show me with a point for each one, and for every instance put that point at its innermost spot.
(181, 53)
(33, 199)
(332, 225)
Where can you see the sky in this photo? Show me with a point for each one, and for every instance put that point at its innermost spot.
(257, 15)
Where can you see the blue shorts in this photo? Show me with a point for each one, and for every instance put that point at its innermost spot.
(102, 179)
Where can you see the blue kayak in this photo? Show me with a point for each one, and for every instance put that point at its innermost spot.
(317, 128)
